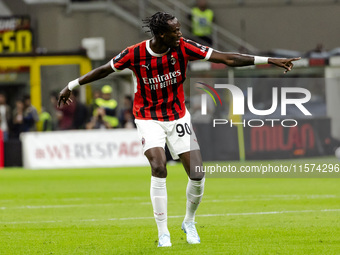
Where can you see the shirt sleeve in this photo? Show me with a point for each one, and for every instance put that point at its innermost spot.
(121, 61)
(196, 51)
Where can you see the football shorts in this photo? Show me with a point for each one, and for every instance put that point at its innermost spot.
(177, 134)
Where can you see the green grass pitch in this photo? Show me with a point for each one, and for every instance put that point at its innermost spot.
(108, 211)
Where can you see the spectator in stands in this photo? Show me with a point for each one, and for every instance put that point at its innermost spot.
(95, 95)
(129, 120)
(126, 118)
(202, 19)
(81, 112)
(56, 114)
(318, 52)
(45, 121)
(18, 119)
(98, 121)
(109, 105)
(31, 116)
(5, 116)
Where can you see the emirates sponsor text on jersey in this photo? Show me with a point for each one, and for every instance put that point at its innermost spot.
(162, 81)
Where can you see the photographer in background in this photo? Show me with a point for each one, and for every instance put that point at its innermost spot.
(97, 121)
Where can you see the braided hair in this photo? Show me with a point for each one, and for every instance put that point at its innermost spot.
(158, 23)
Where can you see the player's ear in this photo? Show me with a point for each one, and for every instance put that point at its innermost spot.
(161, 35)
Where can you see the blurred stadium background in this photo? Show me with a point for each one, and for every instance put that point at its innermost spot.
(44, 44)
(57, 40)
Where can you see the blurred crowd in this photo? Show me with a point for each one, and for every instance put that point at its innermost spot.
(103, 113)
(23, 118)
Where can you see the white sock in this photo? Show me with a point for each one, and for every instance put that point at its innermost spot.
(159, 201)
(195, 191)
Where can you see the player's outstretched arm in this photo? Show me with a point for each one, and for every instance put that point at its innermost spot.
(236, 59)
(96, 74)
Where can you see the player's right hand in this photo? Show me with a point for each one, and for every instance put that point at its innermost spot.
(286, 63)
(64, 96)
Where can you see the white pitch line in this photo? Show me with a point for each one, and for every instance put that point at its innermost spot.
(295, 197)
(51, 206)
(82, 199)
(235, 198)
(178, 216)
(206, 198)
(232, 214)
(283, 197)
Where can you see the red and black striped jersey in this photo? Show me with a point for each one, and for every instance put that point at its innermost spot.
(159, 78)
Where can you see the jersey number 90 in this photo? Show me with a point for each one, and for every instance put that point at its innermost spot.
(183, 129)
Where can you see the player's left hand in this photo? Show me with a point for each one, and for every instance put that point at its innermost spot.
(285, 63)
(64, 96)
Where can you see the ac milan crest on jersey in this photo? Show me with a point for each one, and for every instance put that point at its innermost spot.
(159, 77)
(172, 60)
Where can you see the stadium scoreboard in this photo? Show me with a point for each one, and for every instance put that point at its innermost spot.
(15, 35)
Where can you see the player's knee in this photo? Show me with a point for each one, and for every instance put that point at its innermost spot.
(196, 173)
(196, 176)
(158, 169)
